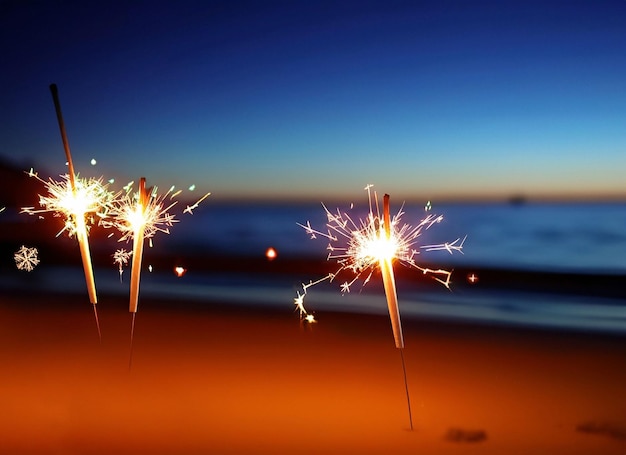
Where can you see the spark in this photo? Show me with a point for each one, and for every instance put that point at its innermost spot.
(127, 215)
(175, 194)
(121, 258)
(26, 258)
(189, 209)
(358, 246)
(90, 198)
(299, 302)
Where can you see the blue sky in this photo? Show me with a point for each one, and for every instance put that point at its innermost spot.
(261, 99)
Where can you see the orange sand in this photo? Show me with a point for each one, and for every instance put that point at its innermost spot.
(233, 380)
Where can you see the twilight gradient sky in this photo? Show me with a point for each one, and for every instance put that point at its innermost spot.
(426, 100)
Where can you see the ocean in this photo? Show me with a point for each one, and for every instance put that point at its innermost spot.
(575, 237)
(581, 239)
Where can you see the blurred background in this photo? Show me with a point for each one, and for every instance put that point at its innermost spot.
(508, 117)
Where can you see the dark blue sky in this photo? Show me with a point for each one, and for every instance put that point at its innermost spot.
(316, 99)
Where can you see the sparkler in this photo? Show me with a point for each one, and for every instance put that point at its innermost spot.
(78, 203)
(75, 199)
(358, 247)
(78, 214)
(138, 216)
(376, 243)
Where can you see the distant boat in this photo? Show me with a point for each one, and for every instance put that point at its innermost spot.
(517, 200)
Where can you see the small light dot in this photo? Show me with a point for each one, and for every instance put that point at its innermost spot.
(271, 253)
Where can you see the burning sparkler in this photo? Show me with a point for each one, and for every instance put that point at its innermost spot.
(375, 243)
(78, 203)
(139, 216)
(359, 247)
(81, 202)
(75, 199)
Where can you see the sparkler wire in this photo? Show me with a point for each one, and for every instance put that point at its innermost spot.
(66, 144)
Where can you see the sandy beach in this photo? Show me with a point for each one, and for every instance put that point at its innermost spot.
(231, 379)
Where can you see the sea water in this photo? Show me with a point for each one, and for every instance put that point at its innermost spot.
(580, 238)
(565, 237)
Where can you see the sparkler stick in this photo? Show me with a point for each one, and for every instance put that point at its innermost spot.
(386, 269)
(139, 227)
(81, 228)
